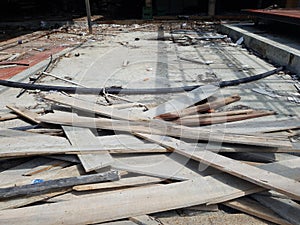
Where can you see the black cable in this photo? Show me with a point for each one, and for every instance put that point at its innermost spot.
(249, 79)
(128, 91)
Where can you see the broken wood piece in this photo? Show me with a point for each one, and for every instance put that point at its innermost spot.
(92, 107)
(23, 112)
(252, 174)
(164, 128)
(52, 132)
(252, 207)
(66, 80)
(200, 108)
(57, 184)
(206, 208)
(286, 208)
(79, 137)
(121, 222)
(47, 166)
(124, 182)
(13, 64)
(199, 120)
(145, 219)
(183, 101)
(8, 116)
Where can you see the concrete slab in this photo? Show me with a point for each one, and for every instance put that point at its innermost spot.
(283, 51)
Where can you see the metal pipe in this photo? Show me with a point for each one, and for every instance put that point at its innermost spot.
(120, 90)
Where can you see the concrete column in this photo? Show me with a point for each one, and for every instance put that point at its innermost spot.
(89, 15)
(211, 7)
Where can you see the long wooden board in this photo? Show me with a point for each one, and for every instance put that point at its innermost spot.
(163, 128)
(183, 101)
(258, 126)
(93, 107)
(124, 182)
(19, 151)
(252, 174)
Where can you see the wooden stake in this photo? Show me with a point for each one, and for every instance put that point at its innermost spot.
(89, 17)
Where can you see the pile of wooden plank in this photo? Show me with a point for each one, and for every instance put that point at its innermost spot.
(112, 164)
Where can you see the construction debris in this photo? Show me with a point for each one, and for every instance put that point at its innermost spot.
(72, 158)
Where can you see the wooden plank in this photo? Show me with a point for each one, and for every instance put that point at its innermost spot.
(123, 222)
(19, 202)
(49, 150)
(48, 166)
(252, 174)
(78, 137)
(252, 207)
(183, 101)
(200, 120)
(133, 203)
(206, 208)
(200, 108)
(32, 142)
(93, 107)
(31, 189)
(145, 219)
(230, 187)
(15, 133)
(14, 176)
(23, 112)
(259, 126)
(19, 180)
(8, 116)
(286, 208)
(137, 201)
(124, 182)
(164, 128)
(167, 166)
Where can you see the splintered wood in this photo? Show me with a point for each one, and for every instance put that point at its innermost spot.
(87, 163)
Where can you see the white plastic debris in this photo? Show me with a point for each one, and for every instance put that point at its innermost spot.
(240, 41)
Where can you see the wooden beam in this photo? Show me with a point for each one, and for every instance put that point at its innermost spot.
(252, 174)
